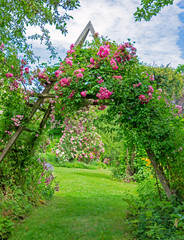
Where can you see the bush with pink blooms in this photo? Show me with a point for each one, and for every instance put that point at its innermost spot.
(79, 140)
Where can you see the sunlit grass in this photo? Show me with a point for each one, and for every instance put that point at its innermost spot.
(89, 205)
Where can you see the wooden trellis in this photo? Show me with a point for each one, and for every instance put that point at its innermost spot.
(45, 94)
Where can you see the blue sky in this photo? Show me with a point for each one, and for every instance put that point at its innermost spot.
(159, 41)
(181, 29)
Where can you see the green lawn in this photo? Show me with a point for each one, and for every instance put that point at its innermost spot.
(88, 206)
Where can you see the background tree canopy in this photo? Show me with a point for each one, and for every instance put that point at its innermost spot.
(16, 16)
(150, 8)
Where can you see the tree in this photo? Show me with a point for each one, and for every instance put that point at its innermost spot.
(150, 8)
(16, 16)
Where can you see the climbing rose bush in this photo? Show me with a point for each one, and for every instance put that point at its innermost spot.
(103, 73)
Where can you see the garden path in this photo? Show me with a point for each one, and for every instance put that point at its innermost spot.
(89, 206)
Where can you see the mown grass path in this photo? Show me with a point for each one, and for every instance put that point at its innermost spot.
(89, 206)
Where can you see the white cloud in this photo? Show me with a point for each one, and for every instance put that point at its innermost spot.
(156, 41)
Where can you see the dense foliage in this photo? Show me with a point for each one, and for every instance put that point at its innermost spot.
(16, 16)
(150, 8)
(151, 216)
(25, 180)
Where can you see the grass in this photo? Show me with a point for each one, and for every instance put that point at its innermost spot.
(89, 206)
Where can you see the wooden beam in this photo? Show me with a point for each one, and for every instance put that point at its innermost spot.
(83, 35)
(10, 143)
(40, 108)
(24, 129)
(42, 95)
(41, 127)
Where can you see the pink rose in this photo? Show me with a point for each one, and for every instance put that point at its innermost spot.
(113, 64)
(100, 81)
(69, 61)
(83, 93)
(79, 75)
(151, 90)
(27, 70)
(8, 75)
(58, 73)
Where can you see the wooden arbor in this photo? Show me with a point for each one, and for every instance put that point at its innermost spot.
(45, 94)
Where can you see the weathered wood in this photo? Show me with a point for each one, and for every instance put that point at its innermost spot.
(42, 95)
(24, 129)
(40, 108)
(159, 173)
(10, 143)
(41, 126)
(82, 37)
(45, 117)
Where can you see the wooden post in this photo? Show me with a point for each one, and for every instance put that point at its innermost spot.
(159, 173)
(82, 37)
(41, 127)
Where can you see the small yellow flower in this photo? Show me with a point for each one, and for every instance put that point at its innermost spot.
(148, 161)
(42, 201)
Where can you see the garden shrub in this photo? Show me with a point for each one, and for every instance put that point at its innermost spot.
(20, 190)
(25, 182)
(152, 218)
(79, 139)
